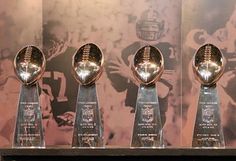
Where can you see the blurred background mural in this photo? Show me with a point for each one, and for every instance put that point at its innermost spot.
(119, 28)
(20, 24)
(209, 21)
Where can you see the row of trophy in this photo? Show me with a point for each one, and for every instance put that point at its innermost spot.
(147, 67)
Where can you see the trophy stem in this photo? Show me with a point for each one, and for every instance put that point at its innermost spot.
(88, 129)
(147, 131)
(208, 131)
(29, 129)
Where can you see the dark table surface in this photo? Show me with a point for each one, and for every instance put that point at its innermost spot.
(112, 154)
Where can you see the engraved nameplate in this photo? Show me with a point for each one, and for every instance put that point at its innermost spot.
(88, 130)
(208, 131)
(147, 130)
(29, 130)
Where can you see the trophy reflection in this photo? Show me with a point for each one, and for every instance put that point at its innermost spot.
(29, 64)
(208, 67)
(87, 68)
(148, 65)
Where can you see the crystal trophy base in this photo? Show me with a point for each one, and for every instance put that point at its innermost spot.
(208, 132)
(29, 129)
(88, 130)
(147, 131)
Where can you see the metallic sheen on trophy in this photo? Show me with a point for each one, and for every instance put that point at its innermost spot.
(208, 67)
(147, 68)
(29, 64)
(87, 68)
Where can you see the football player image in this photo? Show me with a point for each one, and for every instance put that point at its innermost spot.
(223, 36)
(59, 87)
(150, 29)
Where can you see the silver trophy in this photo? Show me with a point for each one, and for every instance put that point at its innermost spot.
(29, 64)
(87, 68)
(208, 67)
(148, 66)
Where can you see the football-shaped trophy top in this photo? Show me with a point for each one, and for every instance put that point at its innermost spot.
(87, 64)
(148, 65)
(208, 64)
(29, 64)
